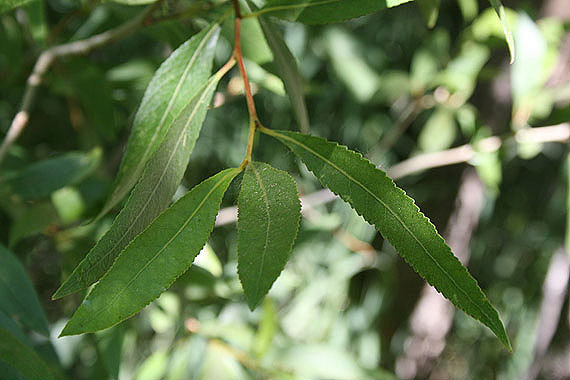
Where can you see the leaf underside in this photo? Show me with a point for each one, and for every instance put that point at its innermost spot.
(173, 85)
(268, 221)
(289, 72)
(325, 11)
(150, 196)
(375, 196)
(154, 259)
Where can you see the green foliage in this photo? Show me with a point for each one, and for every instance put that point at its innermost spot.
(375, 196)
(40, 179)
(173, 85)
(19, 300)
(21, 358)
(325, 11)
(154, 259)
(150, 196)
(268, 221)
(142, 238)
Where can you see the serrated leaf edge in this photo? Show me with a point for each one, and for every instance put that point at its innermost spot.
(278, 135)
(297, 224)
(231, 172)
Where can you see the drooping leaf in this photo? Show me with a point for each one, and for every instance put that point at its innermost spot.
(154, 259)
(268, 221)
(500, 9)
(289, 72)
(173, 85)
(325, 11)
(40, 179)
(22, 358)
(18, 298)
(375, 196)
(430, 11)
(6, 5)
(150, 196)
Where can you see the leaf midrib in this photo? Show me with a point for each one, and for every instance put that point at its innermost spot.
(190, 64)
(190, 118)
(266, 201)
(114, 299)
(393, 214)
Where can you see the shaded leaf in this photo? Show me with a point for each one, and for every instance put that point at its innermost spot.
(268, 221)
(40, 179)
(325, 11)
(22, 358)
(18, 299)
(150, 196)
(375, 196)
(173, 85)
(288, 71)
(35, 220)
(154, 259)
(500, 9)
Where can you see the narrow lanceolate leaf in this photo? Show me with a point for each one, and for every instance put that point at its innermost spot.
(22, 359)
(375, 196)
(150, 196)
(268, 221)
(325, 11)
(173, 85)
(289, 72)
(500, 9)
(18, 299)
(154, 259)
(40, 179)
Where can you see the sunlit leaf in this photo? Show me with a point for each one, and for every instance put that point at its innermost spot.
(375, 196)
(268, 221)
(22, 358)
(18, 299)
(288, 71)
(41, 179)
(500, 9)
(325, 11)
(173, 85)
(154, 259)
(150, 196)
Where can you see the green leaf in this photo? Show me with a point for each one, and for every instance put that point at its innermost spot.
(6, 5)
(288, 71)
(268, 221)
(173, 85)
(325, 11)
(375, 196)
(154, 259)
(430, 11)
(35, 219)
(150, 196)
(22, 358)
(500, 9)
(18, 299)
(40, 179)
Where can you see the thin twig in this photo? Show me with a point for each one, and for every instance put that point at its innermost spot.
(47, 58)
(419, 163)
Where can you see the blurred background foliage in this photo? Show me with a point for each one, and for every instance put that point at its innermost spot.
(346, 306)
